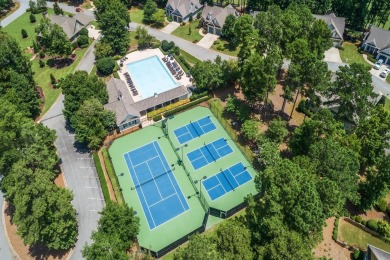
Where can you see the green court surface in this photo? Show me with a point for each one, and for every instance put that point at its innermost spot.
(192, 219)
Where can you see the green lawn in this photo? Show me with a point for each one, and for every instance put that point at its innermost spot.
(358, 237)
(388, 79)
(191, 59)
(350, 54)
(136, 15)
(387, 103)
(223, 46)
(183, 32)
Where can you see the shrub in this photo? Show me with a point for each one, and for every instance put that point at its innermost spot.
(157, 118)
(372, 224)
(200, 95)
(105, 66)
(384, 228)
(382, 205)
(188, 105)
(166, 108)
(41, 64)
(182, 24)
(277, 130)
(83, 31)
(195, 41)
(82, 40)
(113, 177)
(74, 45)
(24, 33)
(191, 19)
(32, 18)
(371, 58)
(356, 254)
(359, 219)
(364, 222)
(353, 218)
(183, 62)
(41, 55)
(169, 18)
(335, 230)
(52, 79)
(102, 180)
(166, 46)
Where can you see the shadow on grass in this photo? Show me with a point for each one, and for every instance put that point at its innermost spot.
(60, 63)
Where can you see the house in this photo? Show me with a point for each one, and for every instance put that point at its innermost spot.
(119, 101)
(335, 24)
(182, 10)
(71, 25)
(213, 17)
(377, 42)
(374, 253)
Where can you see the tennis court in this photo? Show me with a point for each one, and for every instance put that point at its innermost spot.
(156, 186)
(226, 181)
(194, 129)
(209, 153)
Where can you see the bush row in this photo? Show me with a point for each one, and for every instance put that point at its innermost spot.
(112, 176)
(336, 229)
(157, 118)
(37, 10)
(188, 105)
(102, 180)
(156, 112)
(380, 226)
(199, 95)
(183, 62)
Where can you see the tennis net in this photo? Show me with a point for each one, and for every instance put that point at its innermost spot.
(196, 130)
(212, 155)
(152, 179)
(231, 185)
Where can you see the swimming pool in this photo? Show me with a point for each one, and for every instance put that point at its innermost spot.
(150, 76)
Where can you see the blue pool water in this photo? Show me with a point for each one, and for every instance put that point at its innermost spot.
(150, 76)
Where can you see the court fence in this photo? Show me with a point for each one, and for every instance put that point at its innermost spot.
(218, 113)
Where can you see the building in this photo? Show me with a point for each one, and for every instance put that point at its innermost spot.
(71, 25)
(374, 253)
(213, 17)
(377, 42)
(336, 25)
(182, 10)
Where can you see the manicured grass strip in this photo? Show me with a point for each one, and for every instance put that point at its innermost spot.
(182, 32)
(113, 177)
(136, 15)
(387, 104)
(189, 57)
(349, 54)
(102, 180)
(360, 238)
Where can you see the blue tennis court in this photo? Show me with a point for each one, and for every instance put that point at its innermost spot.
(209, 153)
(194, 129)
(226, 181)
(156, 186)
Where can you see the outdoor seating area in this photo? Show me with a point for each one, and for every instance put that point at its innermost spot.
(130, 83)
(173, 67)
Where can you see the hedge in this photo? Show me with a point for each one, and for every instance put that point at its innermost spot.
(156, 112)
(200, 95)
(336, 230)
(112, 176)
(372, 224)
(157, 118)
(102, 180)
(188, 105)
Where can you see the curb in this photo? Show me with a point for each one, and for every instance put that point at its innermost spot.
(6, 232)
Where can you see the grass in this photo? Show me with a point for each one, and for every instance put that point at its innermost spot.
(112, 176)
(388, 79)
(358, 237)
(387, 103)
(222, 45)
(95, 24)
(182, 32)
(133, 41)
(189, 58)
(350, 54)
(102, 180)
(136, 15)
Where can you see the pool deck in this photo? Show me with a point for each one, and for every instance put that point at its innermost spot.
(143, 54)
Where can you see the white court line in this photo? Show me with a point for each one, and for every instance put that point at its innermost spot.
(162, 200)
(154, 180)
(146, 161)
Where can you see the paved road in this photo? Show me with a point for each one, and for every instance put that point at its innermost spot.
(80, 175)
(5, 251)
(193, 49)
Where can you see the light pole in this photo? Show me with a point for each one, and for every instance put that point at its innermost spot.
(200, 184)
(165, 124)
(182, 152)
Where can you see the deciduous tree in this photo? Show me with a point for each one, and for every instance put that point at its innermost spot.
(199, 247)
(150, 9)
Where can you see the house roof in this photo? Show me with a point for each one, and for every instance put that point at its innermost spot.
(160, 98)
(217, 15)
(379, 253)
(185, 7)
(378, 37)
(120, 100)
(70, 25)
(335, 24)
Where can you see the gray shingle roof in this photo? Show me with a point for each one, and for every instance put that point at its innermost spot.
(185, 7)
(120, 100)
(216, 15)
(70, 25)
(378, 37)
(379, 253)
(336, 24)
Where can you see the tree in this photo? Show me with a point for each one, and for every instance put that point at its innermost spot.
(92, 123)
(41, 3)
(33, 6)
(228, 31)
(199, 247)
(16, 76)
(150, 9)
(233, 240)
(82, 41)
(113, 19)
(105, 65)
(332, 197)
(269, 28)
(158, 18)
(24, 33)
(117, 228)
(352, 92)
(268, 155)
(250, 130)
(243, 28)
(57, 9)
(207, 75)
(319, 39)
(5, 5)
(143, 37)
(277, 130)
(103, 50)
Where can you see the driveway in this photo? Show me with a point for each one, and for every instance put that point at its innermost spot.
(80, 174)
(377, 72)
(208, 40)
(333, 55)
(88, 60)
(170, 27)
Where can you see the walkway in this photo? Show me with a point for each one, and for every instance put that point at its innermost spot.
(80, 174)
(170, 27)
(208, 40)
(193, 49)
(333, 55)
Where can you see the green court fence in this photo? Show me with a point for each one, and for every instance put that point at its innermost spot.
(217, 111)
